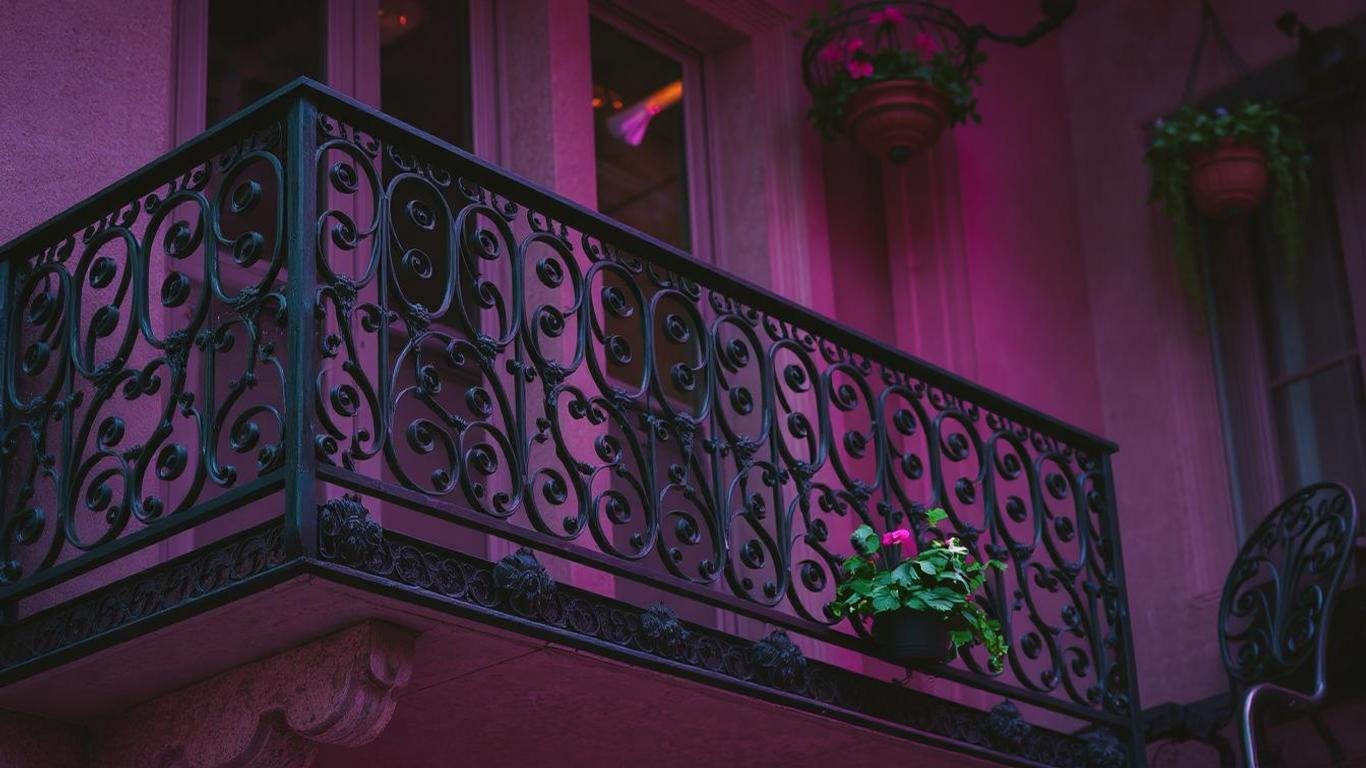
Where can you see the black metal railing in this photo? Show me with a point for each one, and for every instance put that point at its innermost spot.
(316, 295)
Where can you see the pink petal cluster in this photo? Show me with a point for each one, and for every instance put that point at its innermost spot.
(898, 537)
(925, 44)
(837, 51)
(832, 53)
(859, 69)
(888, 15)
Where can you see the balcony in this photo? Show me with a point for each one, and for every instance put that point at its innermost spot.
(317, 367)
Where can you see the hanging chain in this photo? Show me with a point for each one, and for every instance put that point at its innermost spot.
(1211, 27)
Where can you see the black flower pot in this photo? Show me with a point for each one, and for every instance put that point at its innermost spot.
(913, 636)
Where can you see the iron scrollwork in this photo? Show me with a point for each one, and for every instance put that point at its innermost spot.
(485, 350)
(483, 353)
(147, 345)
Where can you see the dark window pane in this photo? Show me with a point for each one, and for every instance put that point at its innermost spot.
(256, 46)
(1321, 422)
(1310, 347)
(1309, 313)
(639, 135)
(424, 66)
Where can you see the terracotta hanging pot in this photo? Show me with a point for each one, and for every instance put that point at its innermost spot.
(1229, 180)
(895, 119)
(909, 637)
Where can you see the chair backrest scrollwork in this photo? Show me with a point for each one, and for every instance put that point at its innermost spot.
(1278, 599)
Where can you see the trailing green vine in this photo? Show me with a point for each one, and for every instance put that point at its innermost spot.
(1189, 130)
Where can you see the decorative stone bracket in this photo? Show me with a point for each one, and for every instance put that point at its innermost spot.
(268, 714)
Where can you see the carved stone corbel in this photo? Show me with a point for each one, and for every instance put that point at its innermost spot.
(272, 713)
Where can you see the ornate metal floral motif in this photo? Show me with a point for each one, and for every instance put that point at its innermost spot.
(1103, 749)
(1274, 612)
(774, 661)
(779, 661)
(1006, 727)
(661, 632)
(524, 583)
(156, 590)
(347, 535)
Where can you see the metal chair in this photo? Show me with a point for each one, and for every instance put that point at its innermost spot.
(1273, 623)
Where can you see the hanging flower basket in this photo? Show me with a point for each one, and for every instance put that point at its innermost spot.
(1229, 179)
(896, 119)
(894, 75)
(1224, 165)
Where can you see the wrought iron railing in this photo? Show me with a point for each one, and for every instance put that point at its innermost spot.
(314, 296)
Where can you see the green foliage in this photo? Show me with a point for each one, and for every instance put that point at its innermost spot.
(890, 58)
(1190, 130)
(940, 579)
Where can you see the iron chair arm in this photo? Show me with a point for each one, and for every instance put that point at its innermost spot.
(1259, 691)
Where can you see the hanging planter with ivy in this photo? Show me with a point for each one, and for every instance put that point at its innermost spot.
(1224, 164)
(893, 76)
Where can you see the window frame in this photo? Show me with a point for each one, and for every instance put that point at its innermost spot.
(351, 63)
(695, 134)
(1238, 318)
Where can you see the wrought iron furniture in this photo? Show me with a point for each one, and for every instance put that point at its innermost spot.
(315, 305)
(1273, 623)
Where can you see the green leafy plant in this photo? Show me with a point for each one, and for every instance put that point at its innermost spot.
(1189, 130)
(895, 52)
(940, 580)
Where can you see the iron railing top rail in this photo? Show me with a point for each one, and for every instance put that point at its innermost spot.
(570, 213)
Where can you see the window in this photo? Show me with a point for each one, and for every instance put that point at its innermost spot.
(1313, 363)
(639, 135)
(645, 119)
(410, 58)
(422, 79)
(256, 46)
(1287, 344)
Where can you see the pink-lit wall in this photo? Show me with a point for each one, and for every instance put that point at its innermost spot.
(1124, 64)
(85, 94)
(1069, 301)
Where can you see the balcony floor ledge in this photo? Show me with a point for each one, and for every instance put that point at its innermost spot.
(494, 646)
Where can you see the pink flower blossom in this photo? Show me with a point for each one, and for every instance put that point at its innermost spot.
(859, 69)
(888, 15)
(898, 537)
(832, 53)
(851, 45)
(925, 44)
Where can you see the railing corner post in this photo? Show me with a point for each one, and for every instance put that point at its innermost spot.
(301, 203)
(7, 362)
(1136, 742)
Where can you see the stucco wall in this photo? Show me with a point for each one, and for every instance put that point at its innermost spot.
(85, 96)
(85, 93)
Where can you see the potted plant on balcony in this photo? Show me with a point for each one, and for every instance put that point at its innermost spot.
(887, 80)
(1223, 164)
(923, 607)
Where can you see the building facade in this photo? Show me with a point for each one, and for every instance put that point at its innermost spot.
(505, 392)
